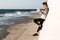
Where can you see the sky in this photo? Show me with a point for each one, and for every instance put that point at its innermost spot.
(21, 4)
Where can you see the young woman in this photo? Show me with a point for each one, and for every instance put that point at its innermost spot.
(39, 21)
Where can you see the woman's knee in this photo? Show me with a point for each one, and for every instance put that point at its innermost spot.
(35, 20)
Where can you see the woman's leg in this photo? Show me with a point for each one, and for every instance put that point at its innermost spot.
(36, 34)
(39, 28)
(36, 21)
(41, 25)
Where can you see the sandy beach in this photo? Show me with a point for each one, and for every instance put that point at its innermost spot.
(21, 30)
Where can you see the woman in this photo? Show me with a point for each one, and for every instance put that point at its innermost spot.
(39, 21)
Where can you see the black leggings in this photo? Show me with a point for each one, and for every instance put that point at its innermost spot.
(41, 23)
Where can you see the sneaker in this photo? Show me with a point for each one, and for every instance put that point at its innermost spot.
(36, 34)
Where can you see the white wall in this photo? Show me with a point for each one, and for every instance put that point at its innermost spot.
(51, 28)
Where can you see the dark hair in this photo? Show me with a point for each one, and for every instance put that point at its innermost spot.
(45, 3)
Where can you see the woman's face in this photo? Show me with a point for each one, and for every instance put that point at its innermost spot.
(44, 6)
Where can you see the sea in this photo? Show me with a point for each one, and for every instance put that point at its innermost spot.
(6, 15)
(10, 17)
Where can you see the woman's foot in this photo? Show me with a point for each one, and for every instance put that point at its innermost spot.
(36, 34)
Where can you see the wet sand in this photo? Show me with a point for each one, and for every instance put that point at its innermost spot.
(12, 32)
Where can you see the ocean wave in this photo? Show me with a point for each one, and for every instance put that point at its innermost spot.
(17, 14)
(6, 18)
(12, 14)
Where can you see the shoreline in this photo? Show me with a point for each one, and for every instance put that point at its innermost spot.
(22, 32)
(21, 28)
(9, 28)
